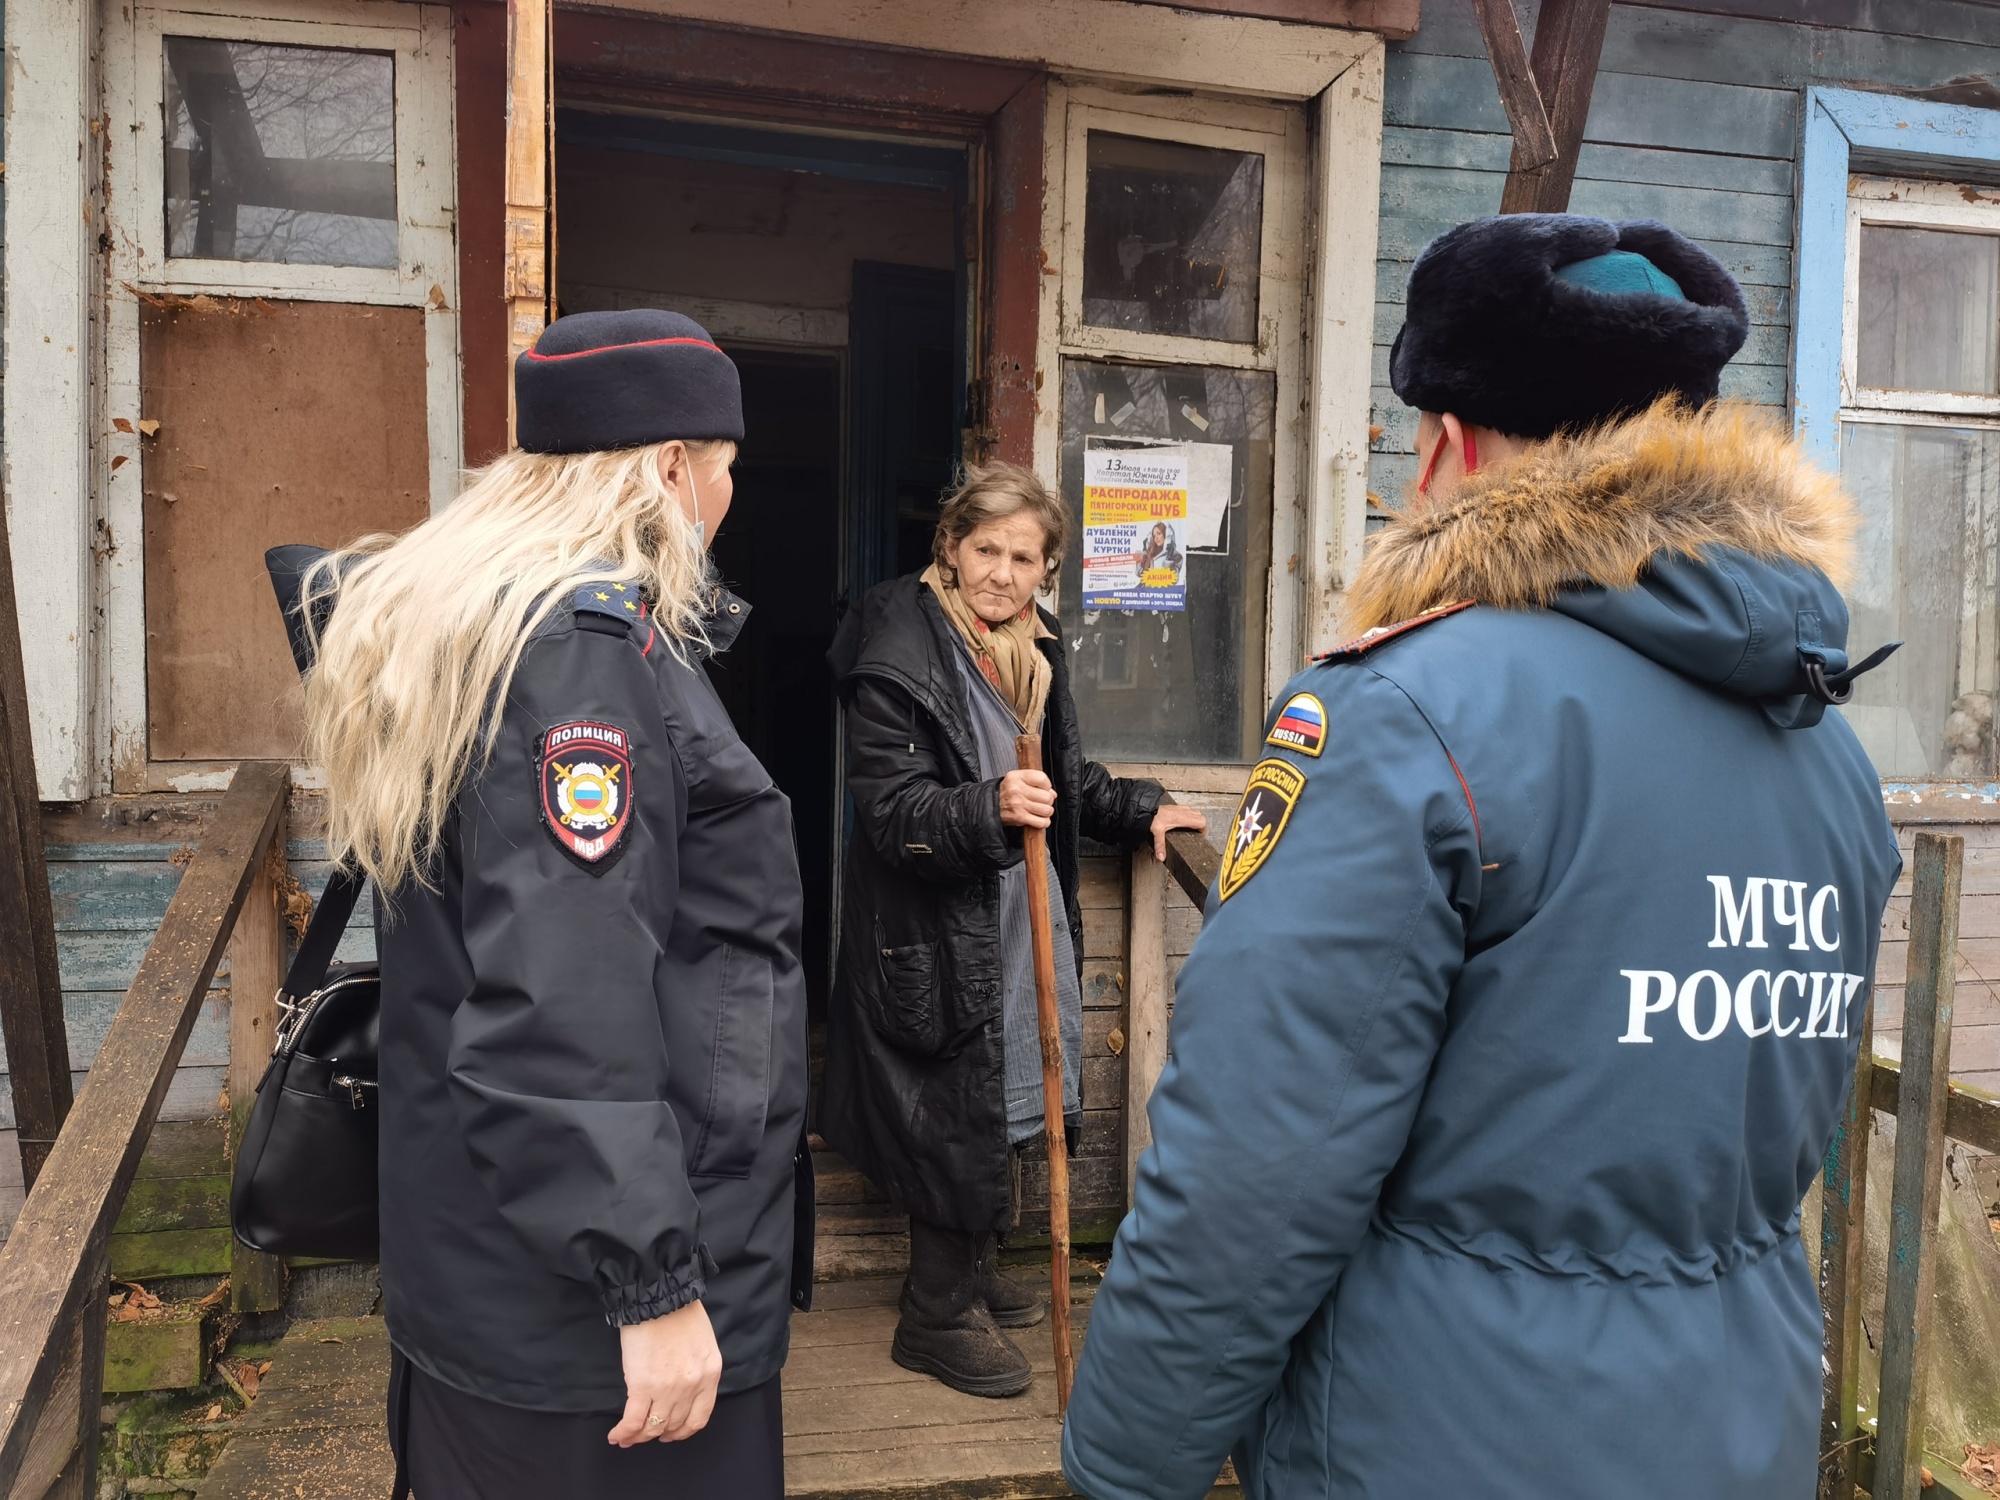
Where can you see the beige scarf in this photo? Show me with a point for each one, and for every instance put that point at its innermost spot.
(1007, 654)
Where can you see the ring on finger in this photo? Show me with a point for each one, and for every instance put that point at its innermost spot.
(656, 1421)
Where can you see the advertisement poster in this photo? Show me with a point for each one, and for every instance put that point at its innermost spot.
(1135, 520)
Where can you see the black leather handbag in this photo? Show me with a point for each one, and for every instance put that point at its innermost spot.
(306, 1180)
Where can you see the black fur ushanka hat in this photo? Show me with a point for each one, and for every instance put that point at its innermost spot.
(602, 380)
(1494, 337)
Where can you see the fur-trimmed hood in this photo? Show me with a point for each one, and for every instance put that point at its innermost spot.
(1703, 539)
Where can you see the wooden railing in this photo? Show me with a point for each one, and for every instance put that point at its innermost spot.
(54, 1267)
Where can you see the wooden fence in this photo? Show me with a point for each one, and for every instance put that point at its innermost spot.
(54, 1267)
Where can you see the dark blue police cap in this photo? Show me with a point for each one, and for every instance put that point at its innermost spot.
(601, 380)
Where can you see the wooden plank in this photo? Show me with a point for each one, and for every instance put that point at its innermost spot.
(259, 405)
(51, 1267)
(1913, 1209)
(169, 1252)
(164, 1354)
(31, 1012)
(529, 225)
(1193, 862)
(1843, 1233)
(1500, 27)
(1971, 1114)
(257, 964)
(158, 1204)
(479, 100)
(1146, 1023)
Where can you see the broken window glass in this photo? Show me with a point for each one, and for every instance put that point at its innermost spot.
(284, 154)
(1172, 235)
(1928, 574)
(1173, 668)
(1930, 310)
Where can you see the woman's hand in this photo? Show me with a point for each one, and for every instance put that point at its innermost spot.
(1027, 799)
(671, 1368)
(1173, 815)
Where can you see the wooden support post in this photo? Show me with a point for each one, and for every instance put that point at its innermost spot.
(1146, 989)
(1928, 995)
(1035, 860)
(256, 970)
(1569, 39)
(31, 1013)
(1843, 1207)
(530, 222)
(1527, 115)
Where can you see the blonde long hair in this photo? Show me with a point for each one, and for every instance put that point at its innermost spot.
(408, 679)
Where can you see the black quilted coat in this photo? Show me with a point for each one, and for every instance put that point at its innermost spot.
(914, 1094)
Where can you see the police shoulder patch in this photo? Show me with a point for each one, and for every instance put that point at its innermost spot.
(1274, 790)
(585, 790)
(1301, 725)
(1368, 640)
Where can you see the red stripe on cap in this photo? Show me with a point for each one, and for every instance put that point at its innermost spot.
(607, 348)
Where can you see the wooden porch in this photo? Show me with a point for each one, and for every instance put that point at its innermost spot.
(857, 1425)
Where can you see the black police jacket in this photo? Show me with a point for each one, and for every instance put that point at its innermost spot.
(594, 1033)
(915, 1094)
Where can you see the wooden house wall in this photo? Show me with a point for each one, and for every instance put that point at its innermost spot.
(1694, 120)
(108, 899)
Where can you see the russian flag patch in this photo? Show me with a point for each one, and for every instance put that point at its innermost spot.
(1301, 725)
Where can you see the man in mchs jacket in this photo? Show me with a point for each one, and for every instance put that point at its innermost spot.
(1530, 990)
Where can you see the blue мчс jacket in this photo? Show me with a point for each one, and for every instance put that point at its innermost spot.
(1500, 1070)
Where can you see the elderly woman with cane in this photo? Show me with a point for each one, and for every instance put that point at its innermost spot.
(934, 1065)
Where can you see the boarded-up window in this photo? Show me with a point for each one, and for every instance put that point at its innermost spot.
(278, 422)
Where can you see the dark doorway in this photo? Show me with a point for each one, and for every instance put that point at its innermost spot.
(907, 343)
(780, 549)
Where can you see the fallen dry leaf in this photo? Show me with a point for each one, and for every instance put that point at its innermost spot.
(149, 427)
(1982, 1466)
(249, 1377)
(331, 1340)
(217, 1297)
(123, 458)
(437, 297)
(1374, 434)
(139, 1296)
(212, 1413)
(122, 424)
(264, 1368)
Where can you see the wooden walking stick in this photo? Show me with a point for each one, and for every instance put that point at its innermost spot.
(1035, 854)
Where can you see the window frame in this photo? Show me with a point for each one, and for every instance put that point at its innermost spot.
(1849, 136)
(420, 38)
(1282, 132)
(1918, 205)
(1271, 137)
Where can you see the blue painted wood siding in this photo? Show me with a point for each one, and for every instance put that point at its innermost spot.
(1695, 120)
(108, 900)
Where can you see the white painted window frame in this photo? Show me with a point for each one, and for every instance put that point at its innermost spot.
(1315, 312)
(426, 276)
(1276, 134)
(1922, 205)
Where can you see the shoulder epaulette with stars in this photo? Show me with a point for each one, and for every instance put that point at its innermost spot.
(1368, 640)
(621, 601)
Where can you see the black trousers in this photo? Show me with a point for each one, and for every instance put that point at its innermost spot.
(452, 1446)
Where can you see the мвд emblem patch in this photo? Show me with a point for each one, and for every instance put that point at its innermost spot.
(1301, 725)
(1261, 816)
(586, 790)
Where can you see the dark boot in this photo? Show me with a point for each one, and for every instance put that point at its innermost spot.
(945, 1329)
(1011, 1304)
